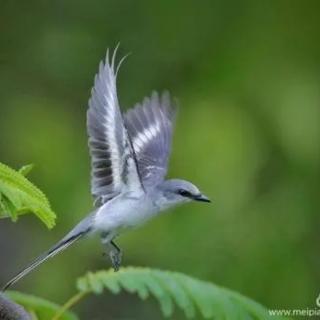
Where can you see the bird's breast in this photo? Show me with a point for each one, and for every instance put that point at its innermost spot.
(124, 212)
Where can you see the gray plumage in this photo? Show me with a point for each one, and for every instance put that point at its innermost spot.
(129, 161)
(113, 165)
(150, 126)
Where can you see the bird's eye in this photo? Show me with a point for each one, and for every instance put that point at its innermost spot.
(184, 193)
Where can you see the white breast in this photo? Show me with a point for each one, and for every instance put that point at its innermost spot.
(124, 212)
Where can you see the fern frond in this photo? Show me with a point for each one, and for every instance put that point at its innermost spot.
(172, 288)
(41, 309)
(25, 170)
(19, 196)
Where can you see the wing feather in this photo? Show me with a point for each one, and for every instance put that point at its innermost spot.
(150, 127)
(113, 169)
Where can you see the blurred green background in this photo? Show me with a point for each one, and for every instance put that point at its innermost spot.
(246, 74)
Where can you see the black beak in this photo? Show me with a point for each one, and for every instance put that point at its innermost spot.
(202, 198)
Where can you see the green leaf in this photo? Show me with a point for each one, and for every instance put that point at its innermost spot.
(176, 289)
(25, 170)
(40, 308)
(19, 196)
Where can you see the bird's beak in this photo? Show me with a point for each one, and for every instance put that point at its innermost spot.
(202, 197)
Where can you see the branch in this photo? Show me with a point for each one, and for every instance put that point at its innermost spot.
(11, 311)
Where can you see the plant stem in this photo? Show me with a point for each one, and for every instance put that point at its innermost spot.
(69, 304)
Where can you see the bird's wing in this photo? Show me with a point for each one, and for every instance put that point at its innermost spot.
(113, 164)
(150, 126)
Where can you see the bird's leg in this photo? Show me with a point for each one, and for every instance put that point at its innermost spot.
(115, 256)
(112, 250)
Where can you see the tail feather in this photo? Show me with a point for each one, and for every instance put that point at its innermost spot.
(83, 228)
(60, 246)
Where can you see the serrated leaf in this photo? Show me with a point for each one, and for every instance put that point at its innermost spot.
(40, 308)
(19, 196)
(178, 293)
(171, 288)
(25, 170)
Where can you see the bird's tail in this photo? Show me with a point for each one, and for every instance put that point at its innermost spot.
(83, 228)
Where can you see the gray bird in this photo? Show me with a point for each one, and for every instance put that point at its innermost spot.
(129, 159)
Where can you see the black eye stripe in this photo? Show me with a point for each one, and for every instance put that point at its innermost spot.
(184, 193)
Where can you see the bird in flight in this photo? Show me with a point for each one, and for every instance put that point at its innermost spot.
(129, 161)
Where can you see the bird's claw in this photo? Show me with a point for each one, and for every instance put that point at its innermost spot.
(116, 257)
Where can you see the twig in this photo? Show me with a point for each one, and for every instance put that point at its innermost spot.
(69, 304)
(9, 310)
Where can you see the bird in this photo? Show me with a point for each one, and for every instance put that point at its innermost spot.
(129, 161)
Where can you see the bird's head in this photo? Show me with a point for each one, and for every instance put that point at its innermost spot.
(179, 191)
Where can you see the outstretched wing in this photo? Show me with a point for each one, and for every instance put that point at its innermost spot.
(113, 164)
(150, 127)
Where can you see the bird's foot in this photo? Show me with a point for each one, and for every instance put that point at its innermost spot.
(116, 257)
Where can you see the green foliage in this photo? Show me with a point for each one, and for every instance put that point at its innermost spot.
(19, 196)
(39, 308)
(172, 288)
(25, 170)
